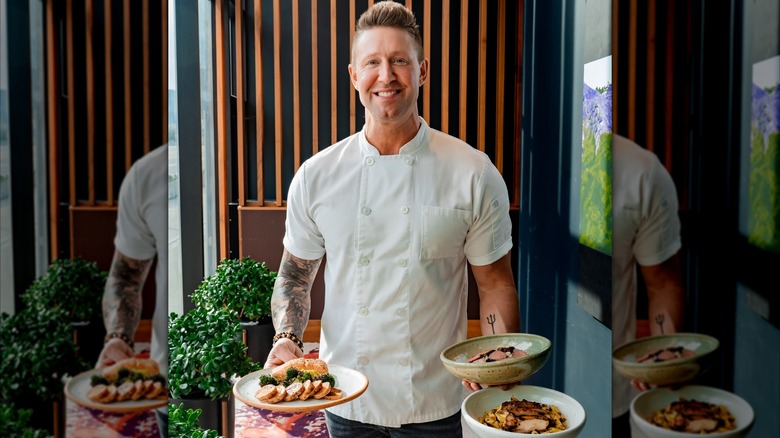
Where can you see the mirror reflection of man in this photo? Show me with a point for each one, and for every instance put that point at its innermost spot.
(141, 236)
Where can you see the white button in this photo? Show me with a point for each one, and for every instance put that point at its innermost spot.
(404, 209)
(363, 311)
(363, 360)
(369, 161)
(404, 362)
(365, 210)
(363, 261)
(409, 160)
(401, 312)
(402, 263)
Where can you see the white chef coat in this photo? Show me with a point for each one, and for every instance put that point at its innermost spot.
(646, 230)
(397, 231)
(142, 234)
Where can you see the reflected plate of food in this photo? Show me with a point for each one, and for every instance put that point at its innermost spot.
(669, 359)
(300, 385)
(691, 410)
(129, 385)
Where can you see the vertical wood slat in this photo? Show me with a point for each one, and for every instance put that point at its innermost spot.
(445, 66)
(260, 113)
(500, 60)
(240, 129)
(427, 53)
(71, 103)
(52, 90)
(127, 90)
(333, 85)
(278, 99)
(145, 67)
(296, 87)
(463, 88)
(518, 105)
(315, 98)
(482, 75)
(651, 78)
(90, 78)
(669, 85)
(109, 103)
(222, 126)
(352, 91)
(631, 99)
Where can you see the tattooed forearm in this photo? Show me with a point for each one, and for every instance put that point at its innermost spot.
(122, 296)
(291, 301)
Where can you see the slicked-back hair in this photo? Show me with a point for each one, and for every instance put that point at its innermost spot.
(389, 14)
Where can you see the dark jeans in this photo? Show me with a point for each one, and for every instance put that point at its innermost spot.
(339, 427)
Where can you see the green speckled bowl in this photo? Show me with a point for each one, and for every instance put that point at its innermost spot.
(500, 372)
(670, 372)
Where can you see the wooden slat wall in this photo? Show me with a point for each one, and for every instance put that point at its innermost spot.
(83, 108)
(651, 89)
(484, 127)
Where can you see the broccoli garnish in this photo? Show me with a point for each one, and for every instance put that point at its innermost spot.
(122, 374)
(267, 380)
(304, 376)
(98, 380)
(327, 378)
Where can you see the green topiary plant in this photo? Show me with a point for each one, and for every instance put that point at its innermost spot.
(242, 286)
(204, 352)
(183, 423)
(16, 423)
(74, 286)
(37, 352)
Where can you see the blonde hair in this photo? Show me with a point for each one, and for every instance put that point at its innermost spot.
(389, 14)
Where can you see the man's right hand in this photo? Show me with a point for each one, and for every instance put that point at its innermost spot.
(283, 351)
(114, 351)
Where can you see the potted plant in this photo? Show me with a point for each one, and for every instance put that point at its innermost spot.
(205, 353)
(38, 354)
(76, 288)
(16, 422)
(183, 422)
(244, 287)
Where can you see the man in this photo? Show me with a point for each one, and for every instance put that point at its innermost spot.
(142, 235)
(399, 209)
(646, 231)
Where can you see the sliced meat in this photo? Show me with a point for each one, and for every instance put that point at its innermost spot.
(293, 391)
(324, 390)
(266, 392)
(334, 394)
(496, 355)
(97, 392)
(532, 425)
(155, 391)
(701, 425)
(280, 393)
(125, 391)
(139, 390)
(308, 390)
(519, 353)
(110, 396)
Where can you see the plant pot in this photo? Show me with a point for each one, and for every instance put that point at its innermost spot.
(88, 336)
(258, 337)
(214, 413)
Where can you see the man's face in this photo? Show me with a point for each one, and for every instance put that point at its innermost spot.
(386, 73)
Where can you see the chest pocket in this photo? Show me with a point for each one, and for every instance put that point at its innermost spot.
(443, 232)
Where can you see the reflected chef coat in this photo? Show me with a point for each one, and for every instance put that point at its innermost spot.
(646, 230)
(397, 231)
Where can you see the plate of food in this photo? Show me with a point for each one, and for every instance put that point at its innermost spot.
(129, 385)
(668, 359)
(300, 385)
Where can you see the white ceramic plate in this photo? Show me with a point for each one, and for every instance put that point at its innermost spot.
(77, 387)
(352, 383)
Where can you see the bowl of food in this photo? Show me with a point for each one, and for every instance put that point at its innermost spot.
(663, 360)
(691, 410)
(522, 410)
(497, 359)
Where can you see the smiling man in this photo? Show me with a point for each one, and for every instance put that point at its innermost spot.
(401, 210)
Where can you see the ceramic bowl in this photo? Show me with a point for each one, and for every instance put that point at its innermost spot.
(670, 372)
(477, 403)
(645, 404)
(499, 372)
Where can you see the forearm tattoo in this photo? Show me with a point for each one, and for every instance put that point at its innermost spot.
(291, 301)
(122, 298)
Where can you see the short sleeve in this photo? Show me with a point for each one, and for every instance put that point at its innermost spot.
(302, 237)
(658, 235)
(490, 236)
(134, 237)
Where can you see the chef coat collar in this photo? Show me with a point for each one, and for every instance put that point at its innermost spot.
(409, 148)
